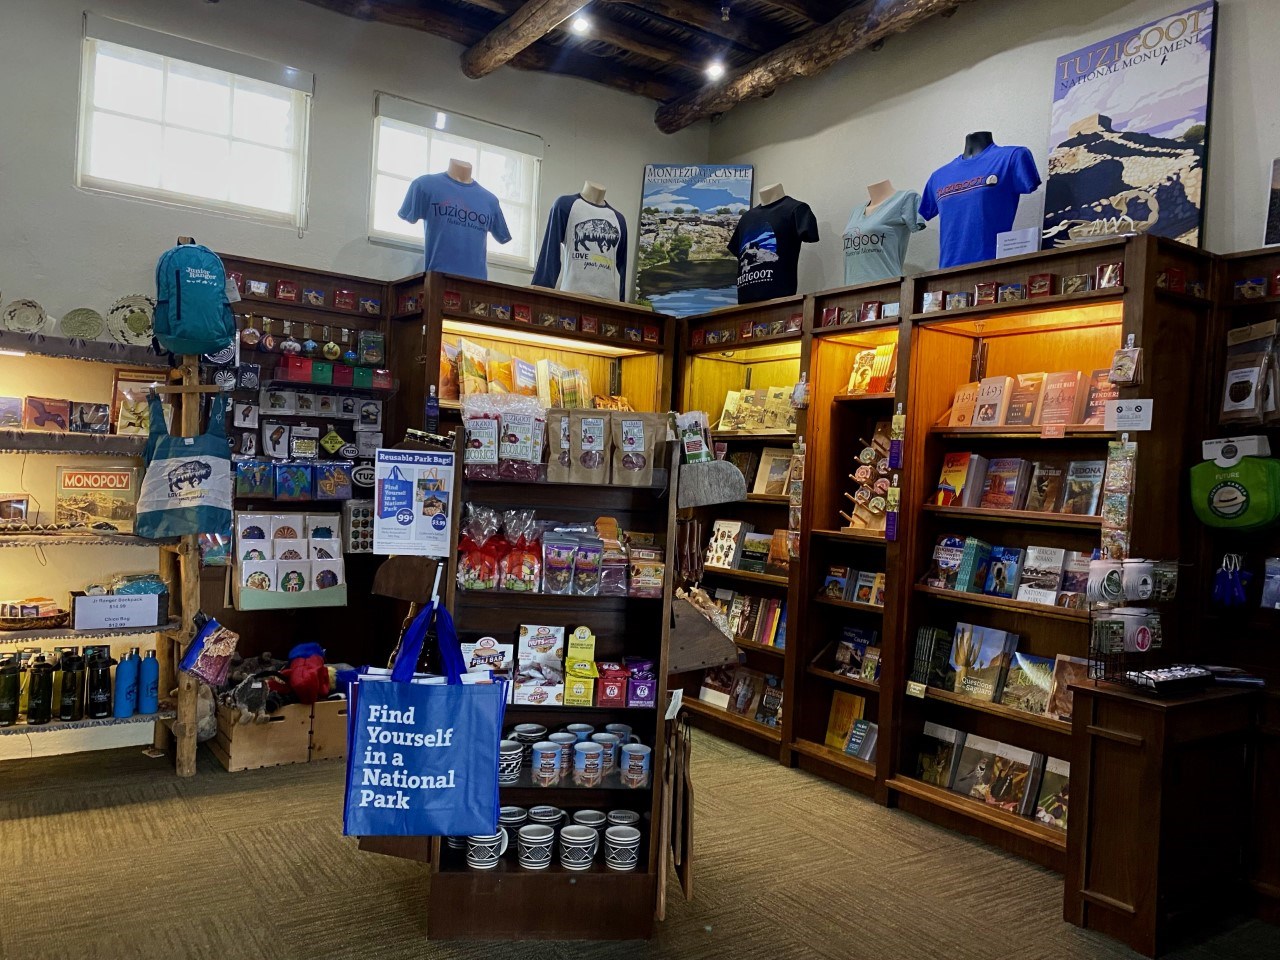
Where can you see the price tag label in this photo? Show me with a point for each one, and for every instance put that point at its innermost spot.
(915, 689)
(1053, 431)
(1129, 414)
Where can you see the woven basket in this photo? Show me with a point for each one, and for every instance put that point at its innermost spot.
(35, 623)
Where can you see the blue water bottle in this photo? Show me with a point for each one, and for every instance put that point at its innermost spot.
(126, 693)
(149, 684)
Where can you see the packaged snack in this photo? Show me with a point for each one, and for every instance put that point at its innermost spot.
(559, 455)
(478, 550)
(480, 455)
(1245, 387)
(520, 569)
(473, 362)
(520, 439)
(589, 446)
(558, 553)
(691, 428)
(636, 437)
(586, 566)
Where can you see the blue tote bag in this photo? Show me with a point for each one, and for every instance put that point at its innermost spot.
(422, 758)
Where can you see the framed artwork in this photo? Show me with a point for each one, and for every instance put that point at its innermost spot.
(1129, 133)
(688, 213)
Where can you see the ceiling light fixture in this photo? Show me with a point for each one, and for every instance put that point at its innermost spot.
(581, 23)
(715, 70)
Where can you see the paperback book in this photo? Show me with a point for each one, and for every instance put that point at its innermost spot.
(1024, 400)
(1044, 490)
(975, 562)
(1061, 398)
(851, 648)
(1073, 593)
(744, 695)
(1066, 671)
(979, 657)
(1082, 488)
(945, 566)
(1041, 575)
(1003, 571)
(871, 665)
(966, 399)
(862, 740)
(717, 684)
(864, 587)
(846, 709)
(725, 547)
(1005, 486)
(993, 401)
(931, 663)
(836, 584)
(769, 710)
(995, 773)
(755, 552)
(1027, 683)
(1100, 390)
(960, 480)
(939, 750)
(1053, 797)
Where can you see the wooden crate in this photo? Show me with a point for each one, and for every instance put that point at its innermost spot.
(329, 730)
(284, 738)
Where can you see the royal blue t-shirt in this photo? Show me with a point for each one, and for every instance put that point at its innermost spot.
(457, 217)
(977, 198)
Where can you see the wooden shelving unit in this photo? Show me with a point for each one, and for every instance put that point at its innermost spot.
(88, 444)
(747, 576)
(69, 633)
(1019, 517)
(853, 683)
(709, 711)
(916, 796)
(1003, 603)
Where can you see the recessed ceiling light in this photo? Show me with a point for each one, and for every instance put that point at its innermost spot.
(715, 70)
(581, 23)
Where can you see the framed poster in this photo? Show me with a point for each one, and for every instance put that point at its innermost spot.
(1129, 133)
(687, 215)
(413, 502)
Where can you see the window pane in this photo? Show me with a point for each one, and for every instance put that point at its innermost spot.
(264, 114)
(195, 164)
(388, 194)
(401, 151)
(500, 173)
(262, 177)
(124, 150)
(128, 81)
(444, 149)
(198, 97)
(518, 223)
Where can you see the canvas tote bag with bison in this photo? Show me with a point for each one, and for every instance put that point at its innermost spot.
(187, 486)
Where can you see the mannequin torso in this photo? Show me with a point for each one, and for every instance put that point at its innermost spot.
(772, 193)
(592, 193)
(878, 193)
(460, 170)
(976, 142)
(875, 240)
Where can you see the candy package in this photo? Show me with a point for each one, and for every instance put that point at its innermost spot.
(520, 569)
(478, 549)
(590, 444)
(559, 455)
(558, 552)
(636, 440)
(586, 566)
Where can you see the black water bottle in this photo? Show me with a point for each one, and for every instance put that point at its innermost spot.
(98, 685)
(10, 691)
(71, 697)
(40, 697)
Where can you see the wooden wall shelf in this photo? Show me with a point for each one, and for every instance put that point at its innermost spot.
(1029, 305)
(85, 444)
(1023, 827)
(853, 683)
(850, 605)
(68, 633)
(1026, 517)
(1071, 431)
(820, 751)
(58, 726)
(749, 576)
(858, 397)
(1004, 603)
(861, 536)
(740, 723)
(96, 351)
(1060, 727)
(762, 648)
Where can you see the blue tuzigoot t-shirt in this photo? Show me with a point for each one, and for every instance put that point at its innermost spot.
(977, 198)
(457, 218)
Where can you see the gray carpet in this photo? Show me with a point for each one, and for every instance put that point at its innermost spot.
(108, 856)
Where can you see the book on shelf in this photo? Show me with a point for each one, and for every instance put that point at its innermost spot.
(1061, 400)
(836, 584)
(1005, 485)
(1073, 591)
(1066, 671)
(975, 561)
(778, 563)
(734, 614)
(751, 410)
(747, 461)
(877, 590)
(939, 750)
(745, 623)
(778, 412)
(864, 362)
(1044, 489)
(960, 480)
(851, 649)
(1052, 793)
(1002, 572)
(882, 368)
(725, 547)
(780, 631)
(1100, 390)
(550, 377)
(846, 709)
(1024, 400)
(717, 684)
(979, 656)
(1026, 683)
(769, 710)
(995, 773)
(745, 693)
(871, 665)
(1041, 575)
(962, 405)
(755, 552)
(945, 565)
(1082, 488)
(993, 401)
(930, 664)
(862, 740)
(864, 587)
(775, 468)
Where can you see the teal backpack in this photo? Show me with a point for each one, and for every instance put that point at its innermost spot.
(192, 313)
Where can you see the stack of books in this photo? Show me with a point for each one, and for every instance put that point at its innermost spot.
(1033, 400)
(1040, 486)
(758, 411)
(854, 655)
(848, 730)
(856, 586)
(744, 692)
(873, 371)
(759, 620)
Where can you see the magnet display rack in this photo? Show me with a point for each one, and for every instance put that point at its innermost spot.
(753, 346)
(1062, 332)
(840, 425)
(509, 902)
(175, 726)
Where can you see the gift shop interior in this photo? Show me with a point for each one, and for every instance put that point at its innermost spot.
(746, 478)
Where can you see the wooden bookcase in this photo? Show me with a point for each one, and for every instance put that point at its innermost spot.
(841, 424)
(754, 346)
(1061, 332)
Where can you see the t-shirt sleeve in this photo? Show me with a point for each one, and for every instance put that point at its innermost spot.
(928, 202)
(620, 257)
(498, 225)
(806, 224)
(911, 212)
(735, 242)
(415, 202)
(547, 272)
(1023, 169)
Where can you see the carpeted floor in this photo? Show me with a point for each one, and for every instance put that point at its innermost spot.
(107, 856)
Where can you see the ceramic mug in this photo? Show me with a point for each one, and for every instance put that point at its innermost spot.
(545, 814)
(581, 730)
(566, 741)
(588, 764)
(624, 818)
(590, 818)
(546, 763)
(578, 845)
(533, 846)
(484, 851)
(528, 732)
(1139, 579)
(512, 819)
(635, 764)
(621, 848)
(610, 743)
(510, 758)
(456, 843)
(622, 731)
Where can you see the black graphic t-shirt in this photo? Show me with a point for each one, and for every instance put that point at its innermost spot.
(767, 245)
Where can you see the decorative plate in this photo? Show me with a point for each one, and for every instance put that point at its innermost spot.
(82, 323)
(23, 316)
(129, 320)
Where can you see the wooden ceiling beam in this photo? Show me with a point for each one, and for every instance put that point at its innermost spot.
(685, 14)
(566, 63)
(807, 55)
(809, 11)
(403, 14)
(529, 24)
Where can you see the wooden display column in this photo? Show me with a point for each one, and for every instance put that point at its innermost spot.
(1160, 811)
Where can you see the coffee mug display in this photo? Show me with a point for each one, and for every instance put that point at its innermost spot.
(545, 760)
(543, 813)
(512, 819)
(588, 764)
(510, 758)
(609, 743)
(527, 734)
(624, 818)
(622, 731)
(566, 741)
(578, 845)
(581, 730)
(594, 819)
(635, 764)
(621, 848)
(484, 852)
(533, 846)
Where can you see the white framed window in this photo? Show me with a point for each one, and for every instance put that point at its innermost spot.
(168, 119)
(411, 139)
